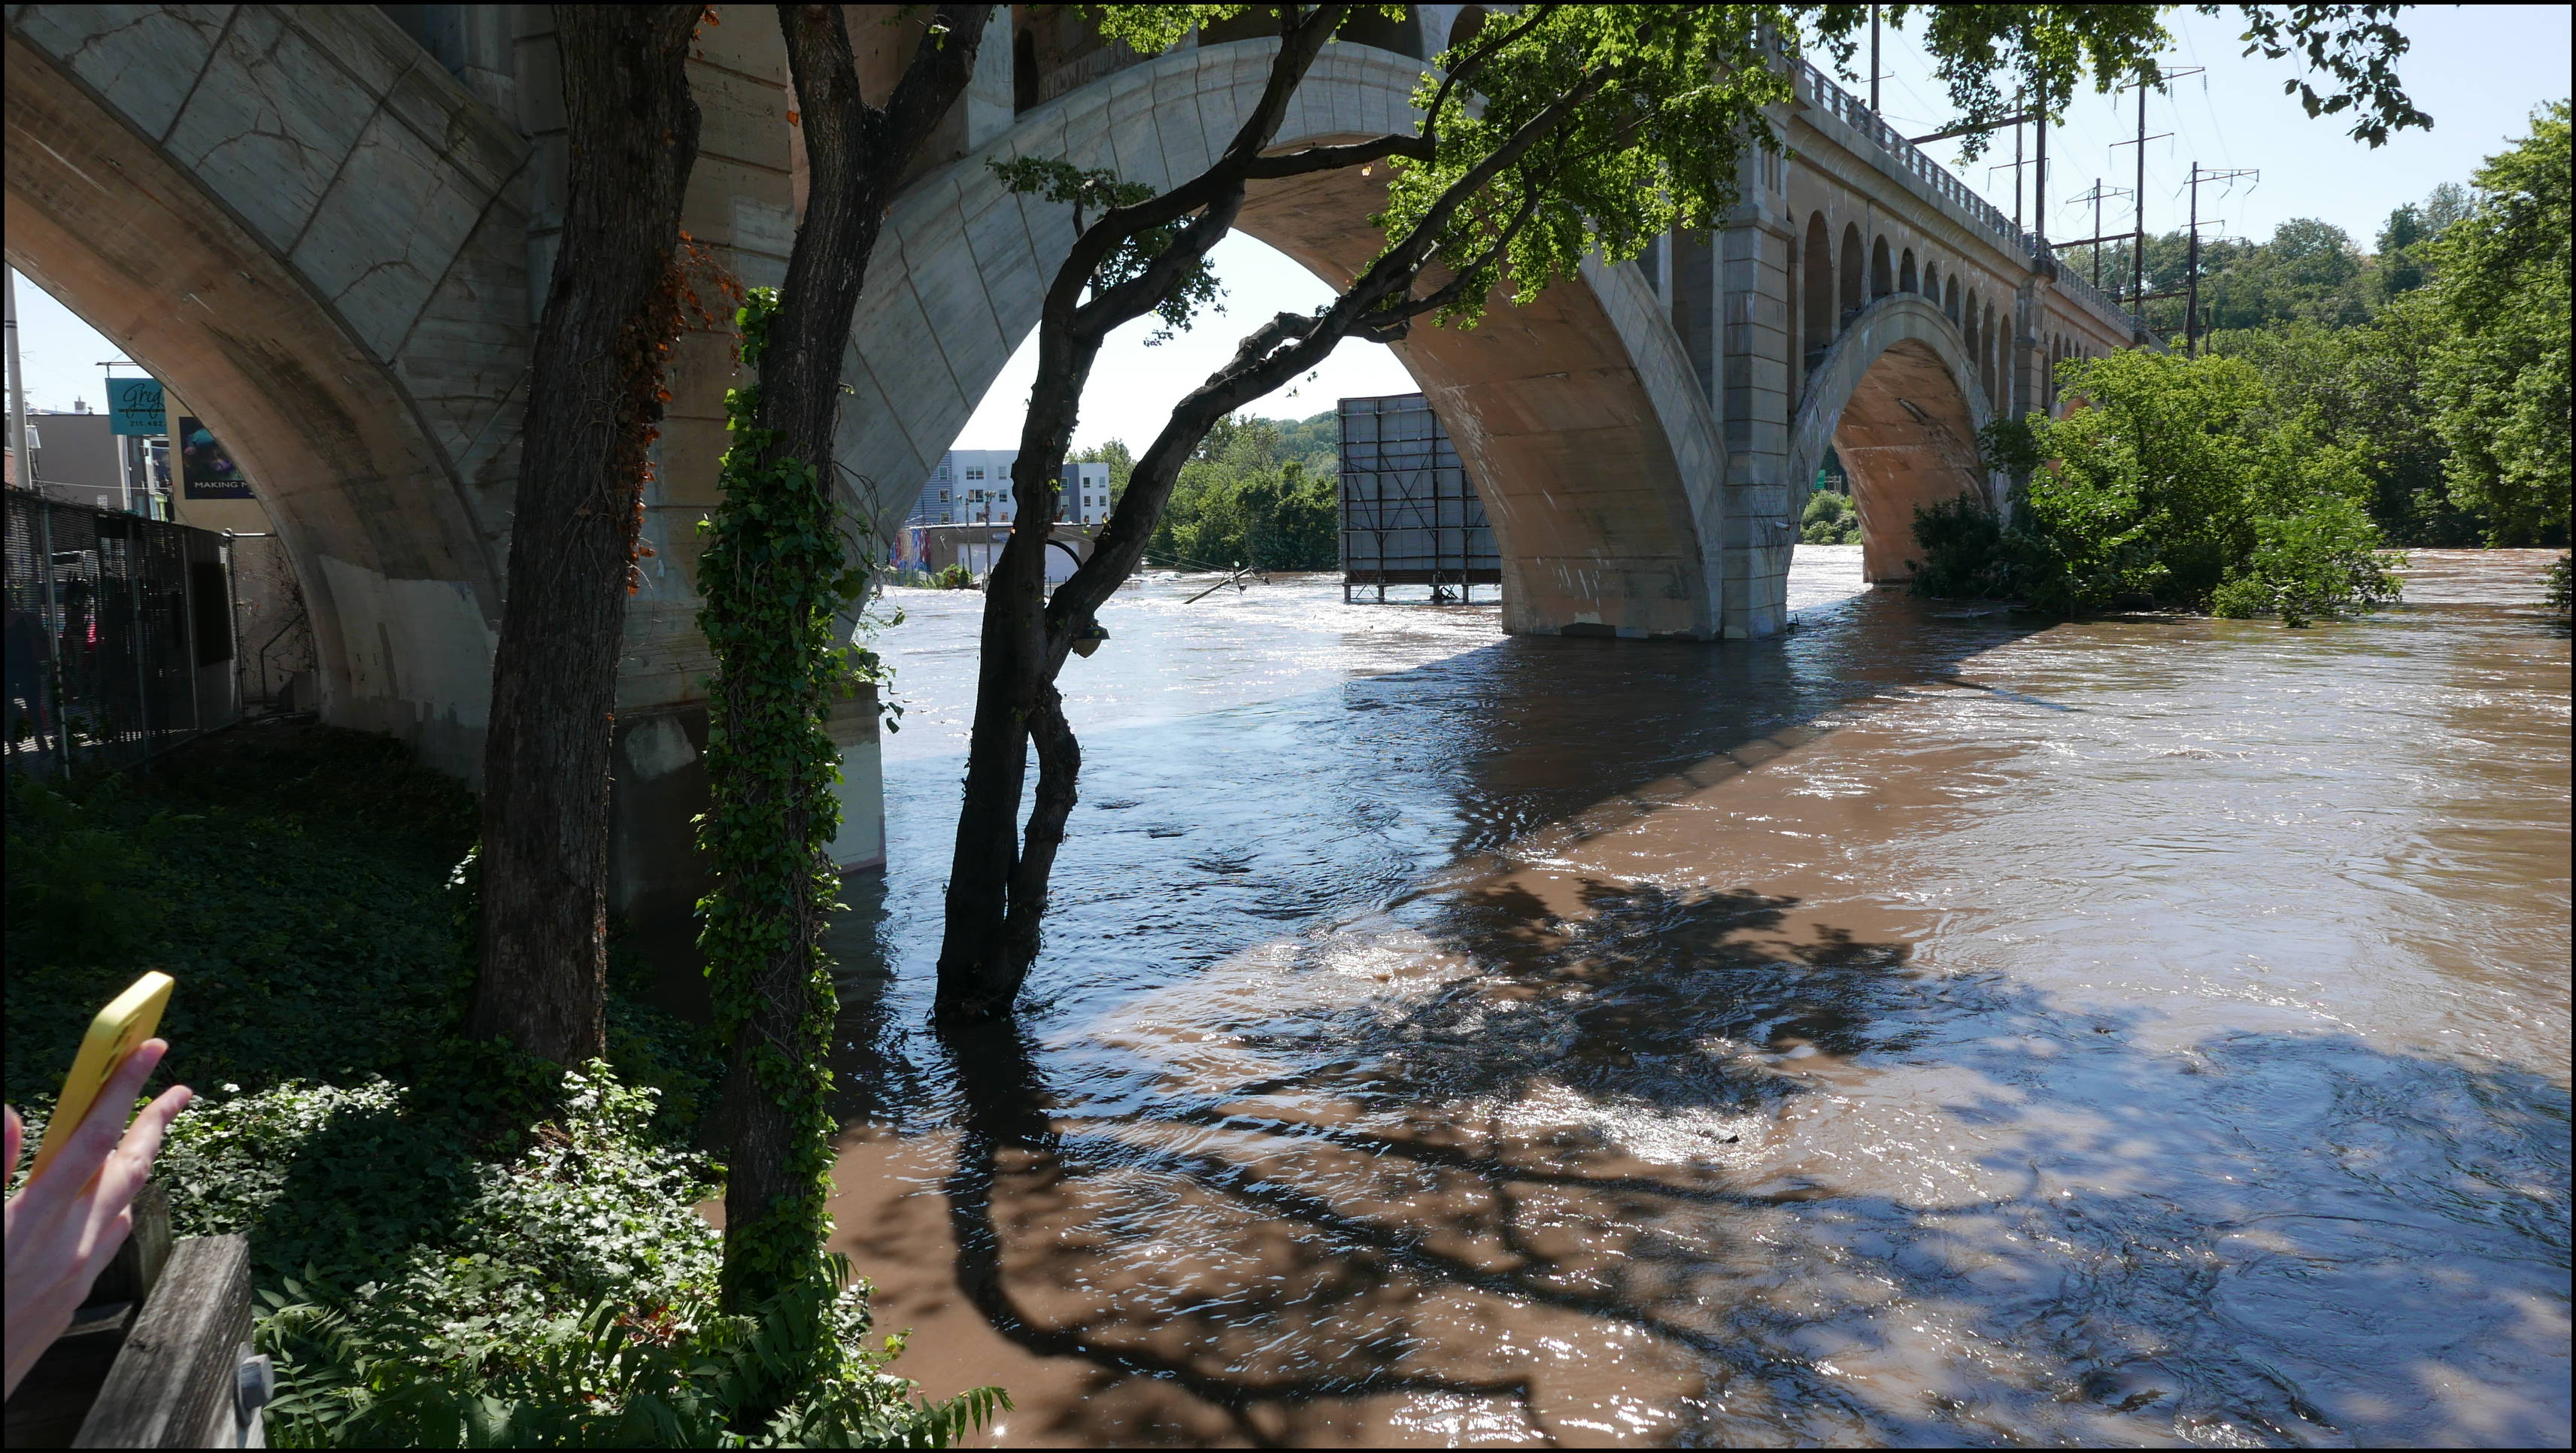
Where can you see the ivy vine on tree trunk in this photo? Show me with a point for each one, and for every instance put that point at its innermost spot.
(777, 581)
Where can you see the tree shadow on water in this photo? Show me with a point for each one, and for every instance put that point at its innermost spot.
(1669, 1167)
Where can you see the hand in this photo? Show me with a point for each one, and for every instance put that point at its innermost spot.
(67, 1223)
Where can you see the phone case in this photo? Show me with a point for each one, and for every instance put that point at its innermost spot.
(114, 1034)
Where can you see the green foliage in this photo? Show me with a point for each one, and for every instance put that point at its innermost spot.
(1257, 492)
(2184, 481)
(1829, 519)
(435, 1224)
(2500, 380)
(2366, 388)
(953, 576)
(794, 1372)
(2558, 595)
(1120, 459)
(2009, 447)
(1667, 104)
(1092, 191)
(775, 578)
(1967, 553)
(1275, 519)
(2320, 562)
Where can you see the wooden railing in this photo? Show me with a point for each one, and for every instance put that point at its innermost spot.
(159, 1357)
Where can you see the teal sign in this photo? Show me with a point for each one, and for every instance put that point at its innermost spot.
(134, 406)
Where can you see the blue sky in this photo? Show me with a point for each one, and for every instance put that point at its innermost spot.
(2479, 70)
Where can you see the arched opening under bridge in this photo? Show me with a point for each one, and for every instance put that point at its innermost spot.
(1896, 399)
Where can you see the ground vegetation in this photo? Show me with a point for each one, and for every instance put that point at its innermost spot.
(453, 1242)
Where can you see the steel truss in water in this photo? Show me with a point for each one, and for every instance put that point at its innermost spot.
(1409, 514)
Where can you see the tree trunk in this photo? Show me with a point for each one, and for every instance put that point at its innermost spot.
(612, 308)
(997, 878)
(980, 965)
(856, 154)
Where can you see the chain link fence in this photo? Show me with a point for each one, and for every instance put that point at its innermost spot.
(120, 635)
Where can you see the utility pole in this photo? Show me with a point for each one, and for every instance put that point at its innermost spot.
(25, 460)
(1873, 60)
(2138, 240)
(2039, 183)
(2096, 197)
(2191, 293)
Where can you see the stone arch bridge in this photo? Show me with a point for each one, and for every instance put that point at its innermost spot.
(328, 229)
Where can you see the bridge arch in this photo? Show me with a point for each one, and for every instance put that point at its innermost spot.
(1580, 416)
(1816, 308)
(1897, 398)
(313, 233)
(1852, 296)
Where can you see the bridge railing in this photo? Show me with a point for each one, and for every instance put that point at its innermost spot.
(2084, 292)
(1905, 157)
(1908, 158)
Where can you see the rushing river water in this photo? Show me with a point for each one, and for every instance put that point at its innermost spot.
(1930, 1026)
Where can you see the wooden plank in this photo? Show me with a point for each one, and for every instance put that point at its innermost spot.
(172, 1386)
(137, 1267)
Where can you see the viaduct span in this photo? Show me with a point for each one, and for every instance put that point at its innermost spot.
(329, 229)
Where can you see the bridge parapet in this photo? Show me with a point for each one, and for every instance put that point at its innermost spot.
(2078, 290)
(1906, 159)
(1903, 158)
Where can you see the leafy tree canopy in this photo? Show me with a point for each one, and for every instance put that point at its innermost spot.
(2501, 379)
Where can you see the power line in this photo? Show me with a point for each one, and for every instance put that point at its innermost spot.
(2191, 308)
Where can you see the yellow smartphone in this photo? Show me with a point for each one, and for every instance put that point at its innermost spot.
(117, 1031)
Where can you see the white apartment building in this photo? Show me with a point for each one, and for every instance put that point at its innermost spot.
(973, 487)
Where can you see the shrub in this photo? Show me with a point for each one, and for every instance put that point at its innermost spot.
(1963, 551)
(2320, 562)
(1829, 519)
(2183, 481)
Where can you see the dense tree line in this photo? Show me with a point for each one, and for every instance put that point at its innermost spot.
(1257, 492)
(2440, 360)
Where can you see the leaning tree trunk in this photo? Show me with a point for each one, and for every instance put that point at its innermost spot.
(593, 400)
(997, 879)
(773, 577)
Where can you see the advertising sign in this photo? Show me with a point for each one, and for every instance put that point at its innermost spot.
(134, 407)
(206, 469)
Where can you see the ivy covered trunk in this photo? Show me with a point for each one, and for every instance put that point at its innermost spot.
(594, 398)
(776, 577)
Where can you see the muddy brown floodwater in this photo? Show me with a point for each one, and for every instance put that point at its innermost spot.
(1928, 1027)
